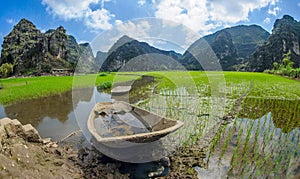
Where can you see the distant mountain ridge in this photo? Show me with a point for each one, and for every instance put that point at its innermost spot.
(141, 55)
(239, 48)
(233, 46)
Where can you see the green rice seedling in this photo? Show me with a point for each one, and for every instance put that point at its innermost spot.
(234, 157)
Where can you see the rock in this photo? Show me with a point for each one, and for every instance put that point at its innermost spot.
(46, 140)
(165, 161)
(3, 134)
(4, 121)
(13, 128)
(157, 173)
(31, 133)
(3, 128)
(17, 126)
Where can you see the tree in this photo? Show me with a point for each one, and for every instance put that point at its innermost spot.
(6, 69)
(287, 60)
(276, 66)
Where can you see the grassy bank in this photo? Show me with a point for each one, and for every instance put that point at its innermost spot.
(264, 85)
(16, 89)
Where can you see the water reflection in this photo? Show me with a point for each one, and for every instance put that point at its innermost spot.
(254, 149)
(53, 116)
(285, 113)
(2, 113)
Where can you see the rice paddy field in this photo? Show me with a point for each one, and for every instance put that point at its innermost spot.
(246, 125)
(260, 137)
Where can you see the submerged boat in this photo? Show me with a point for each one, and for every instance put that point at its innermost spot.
(120, 121)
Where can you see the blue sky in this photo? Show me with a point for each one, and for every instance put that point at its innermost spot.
(86, 19)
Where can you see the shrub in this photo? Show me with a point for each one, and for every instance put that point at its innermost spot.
(106, 85)
(268, 71)
(103, 74)
(6, 69)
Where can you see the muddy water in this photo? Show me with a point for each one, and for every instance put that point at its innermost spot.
(53, 116)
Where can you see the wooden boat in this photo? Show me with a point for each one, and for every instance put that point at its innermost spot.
(113, 122)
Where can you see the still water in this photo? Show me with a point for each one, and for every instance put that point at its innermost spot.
(54, 116)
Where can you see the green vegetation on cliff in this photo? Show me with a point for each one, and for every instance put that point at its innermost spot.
(32, 52)
(285, 37)
(232, 46)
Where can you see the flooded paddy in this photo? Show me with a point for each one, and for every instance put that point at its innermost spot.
(261, 141)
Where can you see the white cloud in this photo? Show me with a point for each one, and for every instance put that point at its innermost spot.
(67, 9)
(99, 19)
(11, 21)
(118, 22)
(80, 10)
(274, 11)
(267, 20)
(205, 15)
(135, 30)
(141, 2)
(298, 4)
(192, 13)
(273, 2)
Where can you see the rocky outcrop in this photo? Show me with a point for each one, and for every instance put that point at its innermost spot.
(285, 37)
(33, 52)
(12, 128)
(24, 154)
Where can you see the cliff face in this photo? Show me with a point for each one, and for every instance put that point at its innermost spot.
(285, 37)
(31, 51)
(232, 46)
(132, 55)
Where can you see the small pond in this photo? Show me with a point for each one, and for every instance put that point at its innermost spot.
(53, 116)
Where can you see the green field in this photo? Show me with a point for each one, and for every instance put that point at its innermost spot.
(16, 89)
(264, 85)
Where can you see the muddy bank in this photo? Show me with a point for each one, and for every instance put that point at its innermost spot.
(23, 153)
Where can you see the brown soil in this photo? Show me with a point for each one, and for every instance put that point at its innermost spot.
(23, 154)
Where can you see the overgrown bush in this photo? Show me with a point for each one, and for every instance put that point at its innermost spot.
(6, 69)
(105, 85)
(286, 68)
